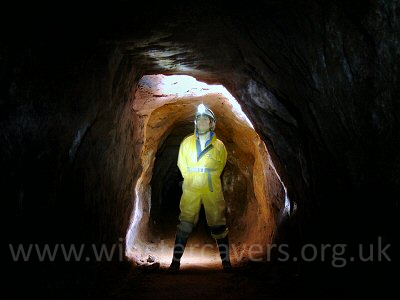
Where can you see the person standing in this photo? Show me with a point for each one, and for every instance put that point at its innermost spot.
(201, 160)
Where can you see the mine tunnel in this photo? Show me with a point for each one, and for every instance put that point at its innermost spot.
(95, 101)
(255, 195)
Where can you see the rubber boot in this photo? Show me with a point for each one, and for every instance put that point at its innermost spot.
(223, 247)
(179, 248)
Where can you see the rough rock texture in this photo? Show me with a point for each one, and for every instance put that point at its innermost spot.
(318, 79)
(255, 197)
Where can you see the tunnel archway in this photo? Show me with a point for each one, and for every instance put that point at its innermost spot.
(253, 192)
(320, 90)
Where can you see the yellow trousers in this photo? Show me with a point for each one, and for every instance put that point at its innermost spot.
(214, 207)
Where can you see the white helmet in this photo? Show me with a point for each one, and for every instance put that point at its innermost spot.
(204, 110)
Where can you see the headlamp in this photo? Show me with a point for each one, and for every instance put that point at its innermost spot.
(201, 109)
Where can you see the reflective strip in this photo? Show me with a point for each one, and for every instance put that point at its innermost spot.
(204, 170)
(210, 185)
(201, 170)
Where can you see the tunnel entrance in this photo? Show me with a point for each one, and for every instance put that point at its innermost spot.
(164, 107)
(166, 182)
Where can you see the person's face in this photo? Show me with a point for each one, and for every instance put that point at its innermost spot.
(203, 124)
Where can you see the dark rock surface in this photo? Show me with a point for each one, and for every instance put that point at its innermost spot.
(318, 79)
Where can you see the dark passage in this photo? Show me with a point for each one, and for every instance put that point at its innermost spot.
(166, 183)
(88, 149)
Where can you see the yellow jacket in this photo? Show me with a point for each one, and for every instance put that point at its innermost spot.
(201, 170)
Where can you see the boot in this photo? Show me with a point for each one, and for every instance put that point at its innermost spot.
(223, 247)
(179, 248)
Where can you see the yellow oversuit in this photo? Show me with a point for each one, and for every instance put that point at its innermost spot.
(201, 171)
